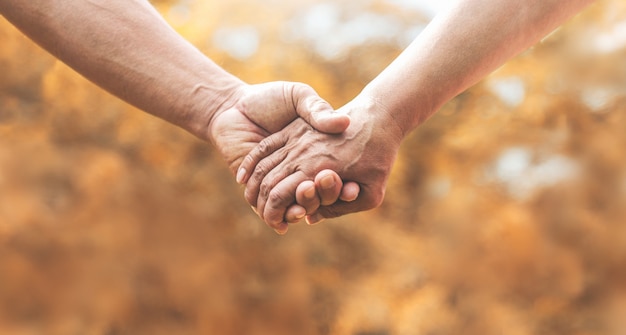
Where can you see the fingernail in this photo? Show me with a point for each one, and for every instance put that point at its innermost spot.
(301, 213)
(240, 175)
(310, 192)
(314, 219)
(254, 210)
(327, 182)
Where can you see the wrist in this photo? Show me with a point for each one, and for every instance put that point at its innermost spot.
(381, 113)
(407, 91)
(206, 103)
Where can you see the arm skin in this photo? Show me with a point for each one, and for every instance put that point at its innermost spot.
(127, 48)
(459, 47)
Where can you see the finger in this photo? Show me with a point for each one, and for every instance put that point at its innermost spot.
(265, 105)
(350, 191)
(316, 111)
(366, 200)
(282, 229)
(336, 210)
(259, 185)
(294, 214)
(306, 196)
(266, 147)
(281, 196)
(274, 173)
(328, 186)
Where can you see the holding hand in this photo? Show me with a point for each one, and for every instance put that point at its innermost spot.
(109, 43)
(364, 154)
(254, 112)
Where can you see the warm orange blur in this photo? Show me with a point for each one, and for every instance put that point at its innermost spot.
(504, 214)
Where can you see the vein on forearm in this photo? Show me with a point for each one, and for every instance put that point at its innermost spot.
(127, 48)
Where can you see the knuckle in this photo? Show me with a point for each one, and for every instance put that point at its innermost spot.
(264, 190)
(264, 147)
(276, 198)
(255, 185)
(261, 170)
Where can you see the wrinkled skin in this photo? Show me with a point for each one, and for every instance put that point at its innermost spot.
(364, 154)
(260, 110)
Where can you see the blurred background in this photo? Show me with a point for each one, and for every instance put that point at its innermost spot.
(504, 213)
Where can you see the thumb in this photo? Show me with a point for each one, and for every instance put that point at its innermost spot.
(317, 112)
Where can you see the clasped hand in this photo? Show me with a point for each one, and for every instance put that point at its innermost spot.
(299, 170)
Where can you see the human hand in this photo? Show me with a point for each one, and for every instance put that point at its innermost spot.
(364, 154)
(256, 111)
(324, 191)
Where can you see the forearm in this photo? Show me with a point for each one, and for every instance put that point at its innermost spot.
(127, 48)
(458, 48)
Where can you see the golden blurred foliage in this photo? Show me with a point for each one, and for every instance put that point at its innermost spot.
(504, 213)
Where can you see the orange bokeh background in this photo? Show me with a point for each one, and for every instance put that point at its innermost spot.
(504, 213)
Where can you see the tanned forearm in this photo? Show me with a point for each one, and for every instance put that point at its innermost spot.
(458, 48)
(127, 48)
